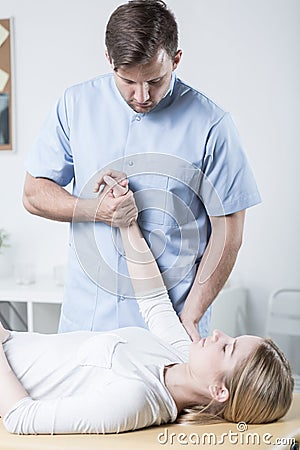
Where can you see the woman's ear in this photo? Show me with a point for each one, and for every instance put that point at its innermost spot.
(219, 393)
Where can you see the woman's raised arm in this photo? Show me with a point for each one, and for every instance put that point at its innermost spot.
(150, 291)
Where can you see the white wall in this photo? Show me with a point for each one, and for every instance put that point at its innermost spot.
(243, 54)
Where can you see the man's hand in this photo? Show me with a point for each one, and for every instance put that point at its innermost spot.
(116, 204)
(191, 325)
(118, 177)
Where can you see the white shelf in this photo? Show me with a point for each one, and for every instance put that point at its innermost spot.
(228, 314)
(44, 291)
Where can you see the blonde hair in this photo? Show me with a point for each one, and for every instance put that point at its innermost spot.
(260, 391)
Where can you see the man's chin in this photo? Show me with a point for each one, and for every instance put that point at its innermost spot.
(140, 108)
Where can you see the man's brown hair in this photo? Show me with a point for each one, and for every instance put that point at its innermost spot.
(137, 30)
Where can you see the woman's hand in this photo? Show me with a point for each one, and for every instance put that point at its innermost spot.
(4, 334)
(116, 188)
(118, 177)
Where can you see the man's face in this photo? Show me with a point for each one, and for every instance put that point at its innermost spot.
(143, 86)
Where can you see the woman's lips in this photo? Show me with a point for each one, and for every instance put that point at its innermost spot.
(202, 342)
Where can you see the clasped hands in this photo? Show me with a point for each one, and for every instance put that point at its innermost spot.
(116, 204)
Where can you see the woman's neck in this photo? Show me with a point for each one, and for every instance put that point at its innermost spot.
(185, 392)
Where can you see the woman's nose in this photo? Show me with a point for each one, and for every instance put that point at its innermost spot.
(218, 334)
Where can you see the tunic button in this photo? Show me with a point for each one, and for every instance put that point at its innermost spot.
(130, 163)
(138, 118)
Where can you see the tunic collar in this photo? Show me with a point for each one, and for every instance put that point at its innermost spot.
(165, 101)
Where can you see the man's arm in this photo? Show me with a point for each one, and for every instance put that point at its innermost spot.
(215, 267)
(46, 198)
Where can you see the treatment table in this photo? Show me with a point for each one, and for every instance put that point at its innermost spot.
(279, 435)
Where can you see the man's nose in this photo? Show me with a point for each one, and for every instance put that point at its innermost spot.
(142, 93)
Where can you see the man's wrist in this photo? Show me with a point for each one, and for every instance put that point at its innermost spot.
(86, 210)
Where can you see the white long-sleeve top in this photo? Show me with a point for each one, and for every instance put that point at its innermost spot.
(98, 382)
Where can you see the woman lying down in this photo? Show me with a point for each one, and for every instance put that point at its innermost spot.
(130, 378)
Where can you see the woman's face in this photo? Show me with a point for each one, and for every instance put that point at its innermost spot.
(212, 358)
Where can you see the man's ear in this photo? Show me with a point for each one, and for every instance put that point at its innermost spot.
(177, 59)
(107, 57)
(219, 393)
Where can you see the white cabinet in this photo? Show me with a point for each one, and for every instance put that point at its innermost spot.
(43, 300)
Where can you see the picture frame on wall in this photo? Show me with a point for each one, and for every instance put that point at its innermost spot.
(6, 85)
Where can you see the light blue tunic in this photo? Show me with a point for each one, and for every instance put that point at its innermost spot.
(184, 160)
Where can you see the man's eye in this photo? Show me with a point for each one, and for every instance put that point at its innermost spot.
(155, 81)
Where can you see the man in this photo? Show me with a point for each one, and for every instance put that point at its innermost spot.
(185, 165)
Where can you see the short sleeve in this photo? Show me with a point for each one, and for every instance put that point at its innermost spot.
(228, 184)
(51, 156)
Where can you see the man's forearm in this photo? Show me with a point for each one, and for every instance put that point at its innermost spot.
(215, 267)
(45, 198)
(205, 289)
